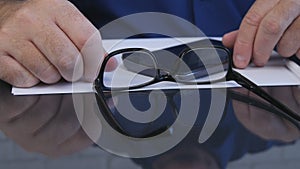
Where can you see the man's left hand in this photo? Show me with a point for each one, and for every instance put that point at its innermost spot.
(267, 24)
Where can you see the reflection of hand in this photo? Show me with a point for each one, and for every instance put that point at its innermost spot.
(266, 24)
(41, 40)
(266, 124)
(45, 124)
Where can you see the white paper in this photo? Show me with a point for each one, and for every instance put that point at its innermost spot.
(277, 72)
(58, 88)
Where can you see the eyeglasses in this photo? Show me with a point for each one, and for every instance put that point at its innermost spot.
(195, 63)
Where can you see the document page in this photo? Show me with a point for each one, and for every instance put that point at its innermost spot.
(277, 72)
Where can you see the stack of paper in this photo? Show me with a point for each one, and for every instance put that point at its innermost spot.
(277, 72)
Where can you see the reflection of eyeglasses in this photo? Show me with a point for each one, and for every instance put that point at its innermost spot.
(141, 130)
(164, 123)
(192, 63)
(250, 100)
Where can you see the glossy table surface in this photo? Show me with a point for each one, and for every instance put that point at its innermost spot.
(43, 132)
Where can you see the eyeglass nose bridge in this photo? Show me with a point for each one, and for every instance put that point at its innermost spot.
(164, 75)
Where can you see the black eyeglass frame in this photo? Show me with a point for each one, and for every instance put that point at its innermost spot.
(285, 112)
(99, 82)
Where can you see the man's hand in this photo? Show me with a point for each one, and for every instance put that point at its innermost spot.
(45, 40)
(44, 124)
(268, 23)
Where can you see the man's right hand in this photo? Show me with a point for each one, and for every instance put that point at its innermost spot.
(45, 40)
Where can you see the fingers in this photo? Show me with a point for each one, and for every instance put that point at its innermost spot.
(248, 30)
(14, 73)
(229, 39)
(65, 121)
(93, 56)
(86, 38)
(272, 28)
(81, 29)
(11, 106)
(33, 118)
(33, 60)
(61, 52)
(289, 42)
(266, 24)
(50, 40)
(38, 126)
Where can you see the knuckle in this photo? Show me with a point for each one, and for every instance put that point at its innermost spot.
(243, 42)
(22, 51)
(24, 15)
(64, 56)
(253, 18)
(272, 27)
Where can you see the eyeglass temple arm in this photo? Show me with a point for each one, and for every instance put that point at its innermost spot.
(244, 82)
(259, 104)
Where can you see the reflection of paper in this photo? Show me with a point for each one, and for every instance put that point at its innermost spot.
(276, 73)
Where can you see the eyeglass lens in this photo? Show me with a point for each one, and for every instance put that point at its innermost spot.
(204, 65)
(132, 69)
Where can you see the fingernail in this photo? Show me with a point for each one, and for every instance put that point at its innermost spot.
(28, 82)
(240, 58)
(50, 76)
(240, 61)
(53, 78)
